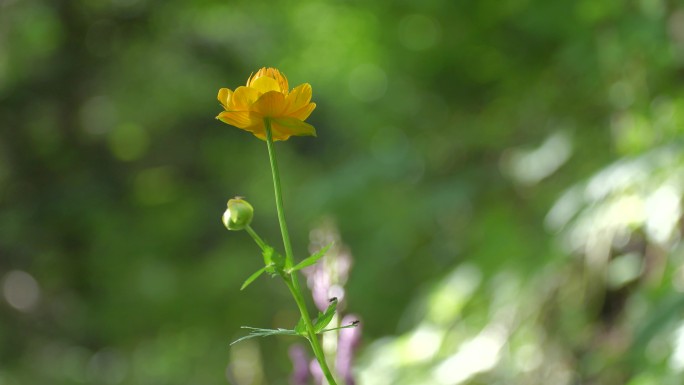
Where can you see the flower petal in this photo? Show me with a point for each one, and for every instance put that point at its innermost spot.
(242, 99)
(240, 119)
(270, 105)
(299, 97)
(303, 112)
(273, 74)
(265, 84)
(258, 130)
(283, 128)
(224, 96)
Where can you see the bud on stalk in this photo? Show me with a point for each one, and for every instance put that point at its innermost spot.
(238, 215)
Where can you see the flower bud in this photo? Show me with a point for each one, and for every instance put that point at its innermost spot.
(238, 215)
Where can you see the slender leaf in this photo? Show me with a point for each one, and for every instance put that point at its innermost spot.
(257, 332)
(312, 259)
(350, 326)
(253, 277)
(325, 318)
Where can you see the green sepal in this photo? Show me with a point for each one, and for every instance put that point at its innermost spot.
(278, 260)
(301, 327)
(312, 259)
(274, 261)
(324, 318)
(253, 277)
(268, 255)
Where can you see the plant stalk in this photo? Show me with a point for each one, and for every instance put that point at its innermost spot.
(293, 283)
(256, 237)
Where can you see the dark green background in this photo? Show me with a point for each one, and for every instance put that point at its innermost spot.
(434, 120)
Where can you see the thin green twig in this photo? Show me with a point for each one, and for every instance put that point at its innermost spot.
(256, 237)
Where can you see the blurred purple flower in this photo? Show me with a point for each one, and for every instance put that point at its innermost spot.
(348, 341)
(318, 281)
(326, 279)
(316, 372)
(300, 365)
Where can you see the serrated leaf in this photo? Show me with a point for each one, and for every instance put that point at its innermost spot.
(325, 318)
(256, 332)
(312, 259)
(253, 277)
(301, 327)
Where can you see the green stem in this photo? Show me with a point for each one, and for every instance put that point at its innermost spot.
(293, 283)
(278, 195)
(312, 337)
(256, 237)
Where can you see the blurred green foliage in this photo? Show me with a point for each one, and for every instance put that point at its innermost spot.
(508, 176)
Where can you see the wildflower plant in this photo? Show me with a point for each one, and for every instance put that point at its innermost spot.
(267, 108)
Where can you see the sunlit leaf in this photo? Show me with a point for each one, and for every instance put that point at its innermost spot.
(312, 259)
(253, 277)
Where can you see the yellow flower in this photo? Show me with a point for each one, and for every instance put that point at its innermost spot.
(267, 96)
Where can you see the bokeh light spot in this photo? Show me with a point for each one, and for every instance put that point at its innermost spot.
(245, 364)
(21, 290)
(621, 94)
(477, 355)
(97, 115)
(155, 186)
(664, 210)
(677, 358)
(676, 27)
(128, 141)
(624, 269)
(529, 357)
(368, 82)
(419, 32)
(107, 366)
(452, 294)
(531, 166)
(423, 343)
(678, 279)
